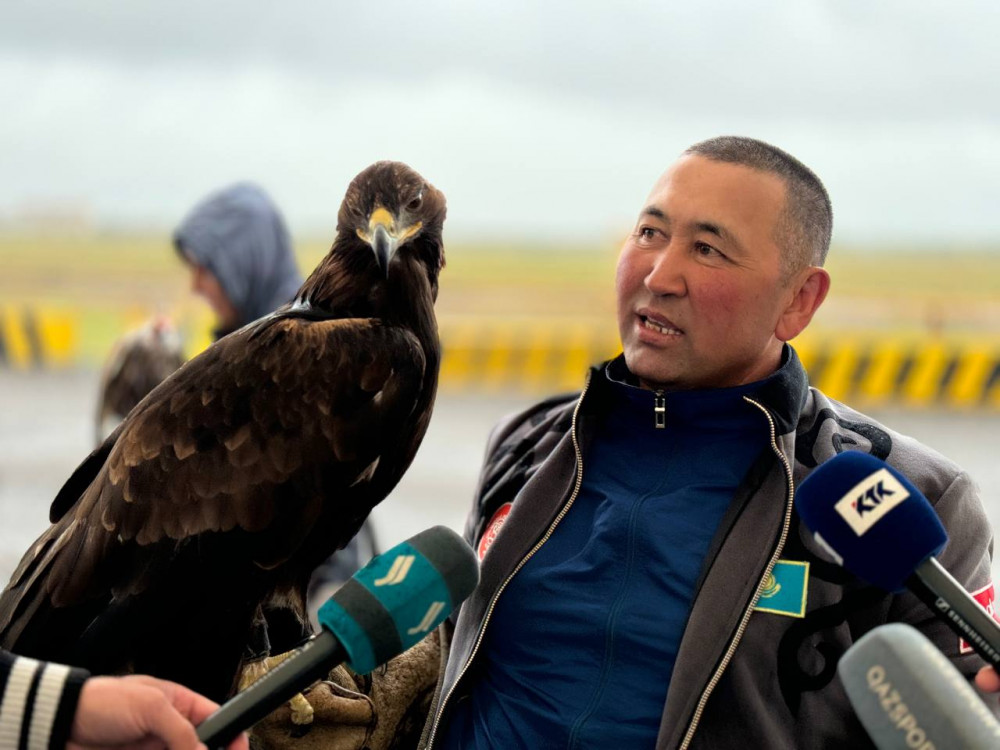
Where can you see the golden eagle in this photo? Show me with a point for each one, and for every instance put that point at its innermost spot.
(139, 361)
(250, 465)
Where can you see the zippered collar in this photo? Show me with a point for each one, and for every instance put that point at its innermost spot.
(783, 393)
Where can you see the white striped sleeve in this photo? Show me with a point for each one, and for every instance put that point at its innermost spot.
(37, 702)
(14, 701)
(50, 690)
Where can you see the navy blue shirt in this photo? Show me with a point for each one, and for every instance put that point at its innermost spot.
(582, 642)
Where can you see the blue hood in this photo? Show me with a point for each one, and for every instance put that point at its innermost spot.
(240, 236)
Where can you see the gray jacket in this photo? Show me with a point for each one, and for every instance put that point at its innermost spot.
(744, 676)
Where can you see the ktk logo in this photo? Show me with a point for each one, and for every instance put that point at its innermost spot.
(872, 498)
(397, 573)
(866, 502)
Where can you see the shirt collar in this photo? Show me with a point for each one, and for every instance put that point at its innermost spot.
(783, 392)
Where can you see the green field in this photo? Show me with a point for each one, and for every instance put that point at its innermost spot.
(918, 328)
(956, 291)
(79, 268)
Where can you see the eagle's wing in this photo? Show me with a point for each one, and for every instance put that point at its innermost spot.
(253, 433)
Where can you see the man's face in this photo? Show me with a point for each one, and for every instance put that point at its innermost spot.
(699, 283)
(206, 285)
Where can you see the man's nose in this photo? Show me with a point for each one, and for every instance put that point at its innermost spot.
(666, 277)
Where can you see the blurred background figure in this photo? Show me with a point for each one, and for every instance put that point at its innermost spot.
(240, 255)
(139, 362)
(239, 252)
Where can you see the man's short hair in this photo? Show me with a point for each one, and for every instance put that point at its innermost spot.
(807, 220)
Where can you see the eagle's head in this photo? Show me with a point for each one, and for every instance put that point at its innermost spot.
(396, 213)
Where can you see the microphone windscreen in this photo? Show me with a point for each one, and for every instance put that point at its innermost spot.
(400, 596)
(908, 695)
(871, 517)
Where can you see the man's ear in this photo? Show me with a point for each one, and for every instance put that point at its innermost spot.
(810, 287)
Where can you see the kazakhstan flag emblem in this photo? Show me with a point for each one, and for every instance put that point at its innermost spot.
(785, 589)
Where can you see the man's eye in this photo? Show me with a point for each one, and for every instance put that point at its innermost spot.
(646, 233)
(706, 250)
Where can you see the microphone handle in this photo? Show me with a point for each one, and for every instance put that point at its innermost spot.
(963, 614)
(308, 664)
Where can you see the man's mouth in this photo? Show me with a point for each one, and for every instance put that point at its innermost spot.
(659, 325)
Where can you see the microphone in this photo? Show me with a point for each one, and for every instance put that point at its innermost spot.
(908, 695)
(875, 523)
(389, 605)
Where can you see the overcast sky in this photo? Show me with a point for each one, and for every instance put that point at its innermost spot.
(535, 119)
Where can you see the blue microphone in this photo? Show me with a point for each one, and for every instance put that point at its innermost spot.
(874, 522)
(389, 605)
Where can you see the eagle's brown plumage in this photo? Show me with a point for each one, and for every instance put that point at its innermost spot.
(234, 478)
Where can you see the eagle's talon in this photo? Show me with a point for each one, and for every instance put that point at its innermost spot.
(302, 710)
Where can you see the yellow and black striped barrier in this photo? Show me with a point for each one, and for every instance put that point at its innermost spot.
(870, 371)
(31, 337)
(528, 356)
(488, 355)
(930, 371)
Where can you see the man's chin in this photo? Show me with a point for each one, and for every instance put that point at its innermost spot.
(650, 374)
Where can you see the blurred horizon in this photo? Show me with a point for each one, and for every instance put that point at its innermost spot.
(902, 290)
(56, 228)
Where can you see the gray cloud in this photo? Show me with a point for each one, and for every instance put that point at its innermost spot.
(534, 117)
(894, 59)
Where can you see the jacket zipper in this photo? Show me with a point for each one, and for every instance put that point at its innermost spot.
(745, 621)
(660, 410)
(538, 545)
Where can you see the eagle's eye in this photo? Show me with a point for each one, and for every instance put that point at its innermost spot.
(414, 204)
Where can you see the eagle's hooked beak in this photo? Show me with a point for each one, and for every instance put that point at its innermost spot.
(384, 237)
(382, 241)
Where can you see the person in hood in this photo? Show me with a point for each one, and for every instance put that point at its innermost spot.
(239, 252)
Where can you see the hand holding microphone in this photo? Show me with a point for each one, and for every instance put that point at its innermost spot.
(385, 608)
(880, 527)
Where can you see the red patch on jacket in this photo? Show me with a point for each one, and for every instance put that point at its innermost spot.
(493, 528)
(986, 597)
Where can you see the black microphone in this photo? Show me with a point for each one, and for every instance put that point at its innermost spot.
(908, 695)
(876, 524)
(385, 608)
